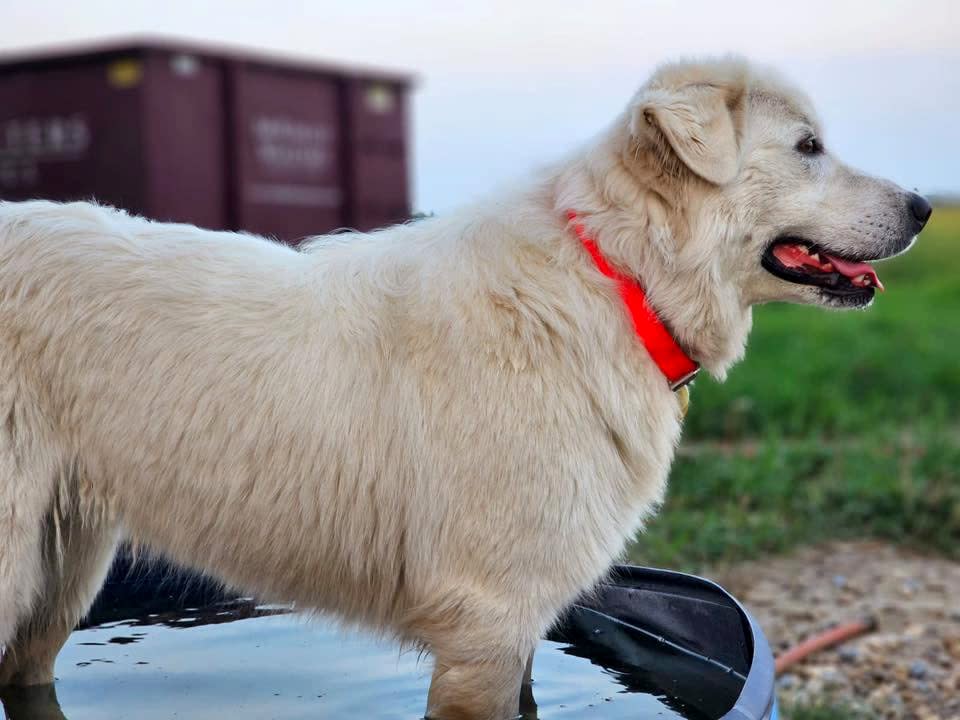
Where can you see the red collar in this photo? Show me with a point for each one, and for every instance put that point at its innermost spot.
(673, 362)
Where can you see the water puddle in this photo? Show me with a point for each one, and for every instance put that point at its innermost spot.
(243, 662)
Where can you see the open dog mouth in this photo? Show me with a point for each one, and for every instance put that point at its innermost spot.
(799, 261)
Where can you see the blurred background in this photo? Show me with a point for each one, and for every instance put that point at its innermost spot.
(821, 482)
(502, 86)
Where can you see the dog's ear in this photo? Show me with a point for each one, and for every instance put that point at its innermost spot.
(699, 122)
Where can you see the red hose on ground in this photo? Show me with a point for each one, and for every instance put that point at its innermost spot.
(826, 639)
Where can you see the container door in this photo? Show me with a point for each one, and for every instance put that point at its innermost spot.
(286, 171)
(73, 132)
(376, 152)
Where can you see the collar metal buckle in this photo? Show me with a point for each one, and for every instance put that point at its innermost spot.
(685, 380)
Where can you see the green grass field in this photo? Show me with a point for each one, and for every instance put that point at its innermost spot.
(836, 425)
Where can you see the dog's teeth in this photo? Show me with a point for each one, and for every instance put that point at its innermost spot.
(815, 256)
(804, 249)
(827, 267)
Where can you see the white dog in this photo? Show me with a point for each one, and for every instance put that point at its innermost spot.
(445, 430)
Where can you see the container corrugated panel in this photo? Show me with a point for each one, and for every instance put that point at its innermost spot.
(186, 157)
(377, 153)
(214, 137)
(287, 177)
(72, 131)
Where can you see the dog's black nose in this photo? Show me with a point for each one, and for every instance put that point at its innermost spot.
(920, 209)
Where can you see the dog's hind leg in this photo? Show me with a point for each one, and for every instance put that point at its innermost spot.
(77, 550)
(25, 498)
(54, 549)
(528, 703)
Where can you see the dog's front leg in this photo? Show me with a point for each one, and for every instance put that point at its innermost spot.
(484, 690)
(490, 703)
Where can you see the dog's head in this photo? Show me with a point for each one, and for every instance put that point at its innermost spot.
(740, 174)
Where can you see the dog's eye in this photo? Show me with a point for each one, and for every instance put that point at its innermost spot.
(810, 146)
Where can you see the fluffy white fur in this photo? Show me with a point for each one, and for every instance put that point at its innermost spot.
(446, 430)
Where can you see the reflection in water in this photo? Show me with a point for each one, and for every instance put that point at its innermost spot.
(198, 665)
(38, 702)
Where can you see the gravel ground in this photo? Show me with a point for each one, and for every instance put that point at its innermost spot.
(909, 667)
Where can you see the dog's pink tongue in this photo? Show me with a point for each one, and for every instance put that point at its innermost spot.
(853, 270)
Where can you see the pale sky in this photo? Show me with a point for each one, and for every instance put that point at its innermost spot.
(506, 86)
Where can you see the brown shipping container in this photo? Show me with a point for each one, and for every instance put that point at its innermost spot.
(207, 136)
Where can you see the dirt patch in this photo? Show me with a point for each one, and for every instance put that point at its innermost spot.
(908, 668)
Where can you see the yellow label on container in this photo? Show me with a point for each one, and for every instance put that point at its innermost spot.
(126, 73)
(380, 99)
